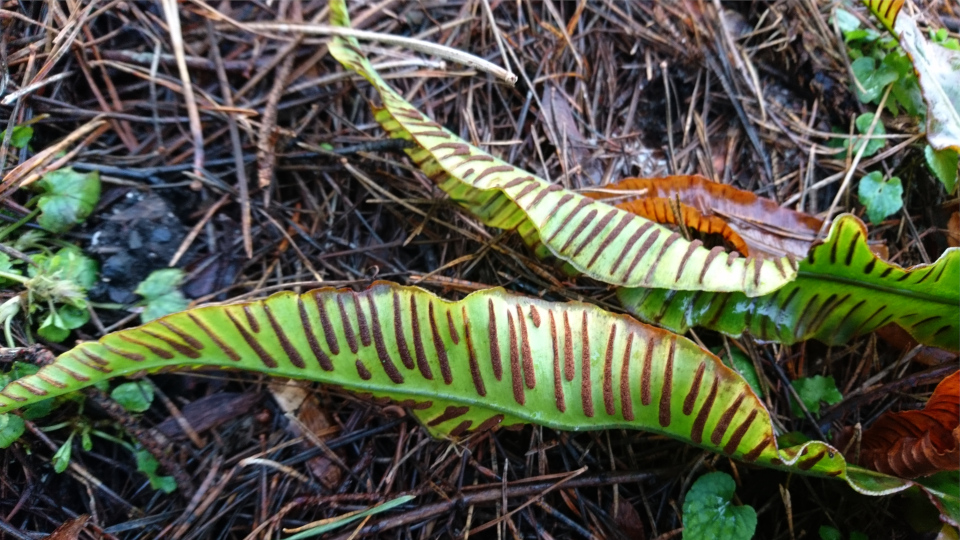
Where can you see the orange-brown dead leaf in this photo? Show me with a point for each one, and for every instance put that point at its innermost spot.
(70, 530)
(909, 444)
(301, 403)
(746, 221)
(661, 210)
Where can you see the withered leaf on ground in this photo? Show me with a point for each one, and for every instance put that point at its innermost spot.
(748, 222)
(917, 443)
(70, 530)
(301, 405)
(564, 134)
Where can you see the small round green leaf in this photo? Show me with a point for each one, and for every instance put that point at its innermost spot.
(708, 512)
(53, 328)
(874, 143)
(847, 21)
(161, 294)
(20, 137)
(148, 465)
(133, 396)
(11, 428)
(813, 391)
(881, 197)
(871, 78)
(69, 197)
(829, 533)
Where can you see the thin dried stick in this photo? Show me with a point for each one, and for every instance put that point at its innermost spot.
(170, 11)
(424, 47)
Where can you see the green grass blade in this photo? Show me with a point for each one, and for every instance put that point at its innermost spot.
(597, 239)
(842, 290)
(336, 523)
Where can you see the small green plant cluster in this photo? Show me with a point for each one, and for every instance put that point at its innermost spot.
(50, 278)
(878, 63)
(134, 396)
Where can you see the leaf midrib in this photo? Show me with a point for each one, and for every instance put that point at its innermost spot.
(876, 287)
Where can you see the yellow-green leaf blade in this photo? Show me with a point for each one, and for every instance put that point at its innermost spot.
(599, 240)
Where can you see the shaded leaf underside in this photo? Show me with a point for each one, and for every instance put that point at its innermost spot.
(599, 240)
(490, 359)
(842, 290)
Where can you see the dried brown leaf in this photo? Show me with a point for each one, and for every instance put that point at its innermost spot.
(909, 444)
(748, 222)
(564, 133)
(298, 400)
(628, 521)
(70, 530)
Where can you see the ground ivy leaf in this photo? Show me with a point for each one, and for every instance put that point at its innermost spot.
(161, 294)
(846, 21)
(11, 428)
(863, 126)
(133, 396)
(159, 283)
(829, 533)
(73, 317)
(69, 197)
(871, 78)
(20, 137)
(944, 164)
(873, 144)
(813, 390)
(906, 91)
(881, 197)
(148, 465)
(708, 512)
(53, 328)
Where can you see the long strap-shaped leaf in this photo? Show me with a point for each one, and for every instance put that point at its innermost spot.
(842, 290)
(599, 240)
(490, 359)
